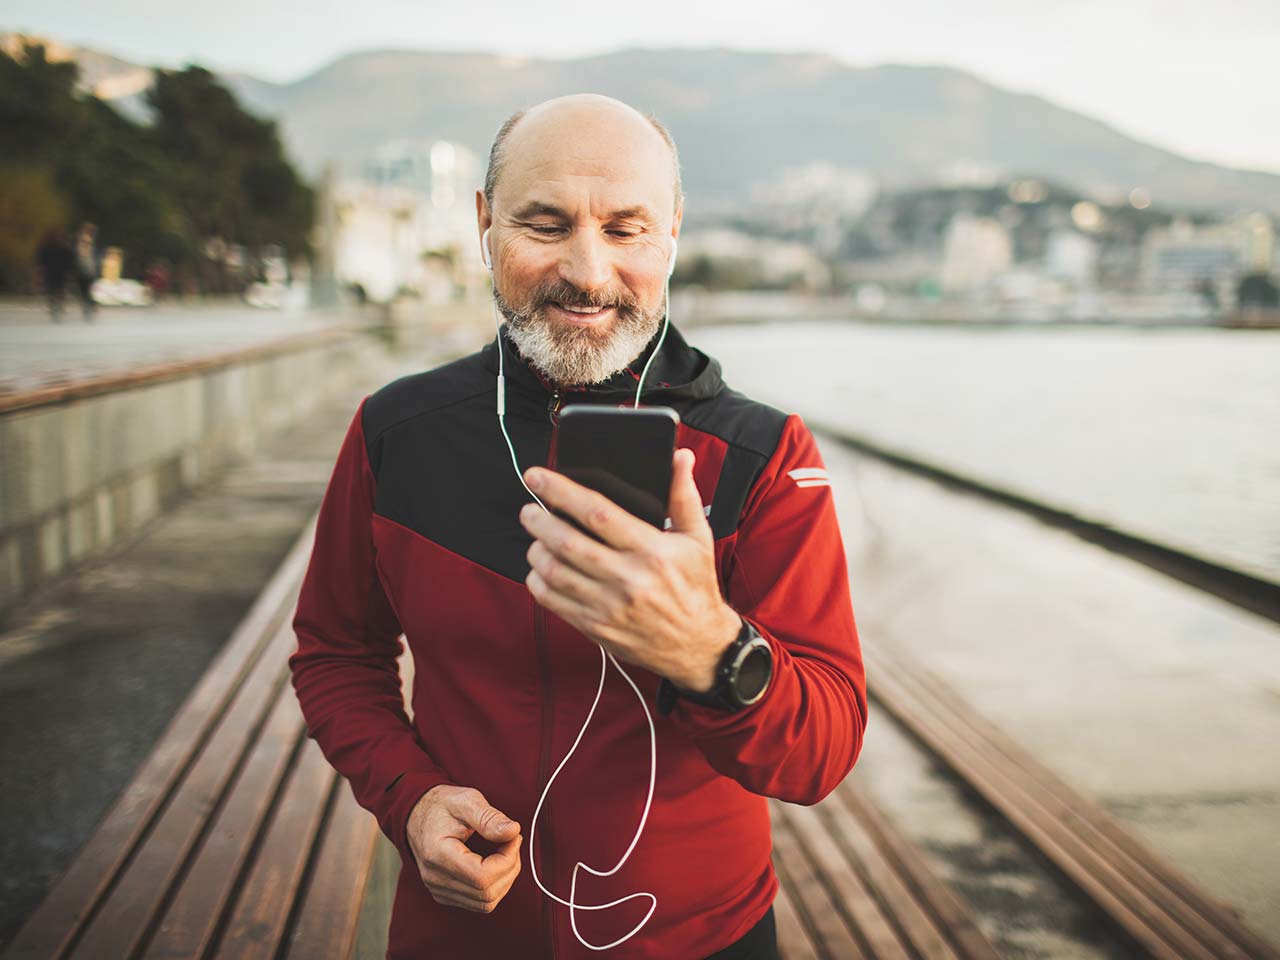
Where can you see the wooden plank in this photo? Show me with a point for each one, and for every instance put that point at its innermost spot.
(1208, 918)
(374, 927)
(793, 939)
(1131, 907)
(209, 887)
(121, 924)
(954, 918)
(833, 939)
(850, 895)
(269, 893)
(325, 927)
(881, 878)
(73, 899)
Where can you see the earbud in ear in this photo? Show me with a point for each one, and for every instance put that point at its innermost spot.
(671, 261)
(485, 257)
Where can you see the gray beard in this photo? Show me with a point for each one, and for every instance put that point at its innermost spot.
(571, 355)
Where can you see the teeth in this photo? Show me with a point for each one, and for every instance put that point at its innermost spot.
(565, 306)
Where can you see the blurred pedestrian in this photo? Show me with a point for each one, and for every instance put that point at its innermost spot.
(56, 261)
(158, 277)
(87, 262)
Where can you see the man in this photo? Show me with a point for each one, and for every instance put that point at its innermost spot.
(88, 264)
(427, 529)
(56, 262)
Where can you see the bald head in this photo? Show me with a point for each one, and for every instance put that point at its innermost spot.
(585, 123)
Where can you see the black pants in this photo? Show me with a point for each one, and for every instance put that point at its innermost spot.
(84, 284)
(758, 943)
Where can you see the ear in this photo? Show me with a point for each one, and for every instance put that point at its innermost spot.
(675, 235)
(484, 220)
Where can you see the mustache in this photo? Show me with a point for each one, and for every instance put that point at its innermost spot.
(571, 296)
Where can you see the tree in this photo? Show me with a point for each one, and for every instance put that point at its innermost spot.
(1258, 290)
(204, 169)
(38, 107)
(29, 206)
(228, 173)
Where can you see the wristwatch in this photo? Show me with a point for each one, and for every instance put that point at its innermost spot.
(742, 676)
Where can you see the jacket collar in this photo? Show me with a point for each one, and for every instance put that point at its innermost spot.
(680, 373)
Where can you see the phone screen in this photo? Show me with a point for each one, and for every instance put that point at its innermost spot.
(624, 453)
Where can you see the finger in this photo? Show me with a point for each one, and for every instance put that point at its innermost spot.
(441, 881)
(596, 512)
(474, 904)
(456, 860)
(479, 903)
(561, 576)
(499, 868)
(476, 812)
(493, 871)
(685, 501)
(566, 608)
(569, 544)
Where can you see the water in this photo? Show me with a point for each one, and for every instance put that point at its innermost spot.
(1169, 434)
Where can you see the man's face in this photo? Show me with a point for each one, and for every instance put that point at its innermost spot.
(582, 218)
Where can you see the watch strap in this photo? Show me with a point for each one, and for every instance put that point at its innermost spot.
(669, 693)
(719, 696)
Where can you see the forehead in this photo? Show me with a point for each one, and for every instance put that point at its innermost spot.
(586, 163)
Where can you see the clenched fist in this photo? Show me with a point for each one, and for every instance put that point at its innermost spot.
(439, 827)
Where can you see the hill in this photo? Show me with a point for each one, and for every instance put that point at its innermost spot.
(743, 117)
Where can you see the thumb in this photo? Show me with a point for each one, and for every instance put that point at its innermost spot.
(490, 822)
(685, 503)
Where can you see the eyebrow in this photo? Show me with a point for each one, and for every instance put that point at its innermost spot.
(536, 208)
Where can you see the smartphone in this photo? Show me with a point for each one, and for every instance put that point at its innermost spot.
(623, 452)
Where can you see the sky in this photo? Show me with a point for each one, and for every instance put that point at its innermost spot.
(1199, 78)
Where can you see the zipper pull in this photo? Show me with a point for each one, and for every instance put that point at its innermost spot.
(553, 408)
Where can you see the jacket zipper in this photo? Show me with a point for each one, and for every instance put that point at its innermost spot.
(553, 407)
(544, 752)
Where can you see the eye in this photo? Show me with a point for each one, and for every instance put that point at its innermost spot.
(547, 231)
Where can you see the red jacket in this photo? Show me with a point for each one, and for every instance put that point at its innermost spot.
(418, 535)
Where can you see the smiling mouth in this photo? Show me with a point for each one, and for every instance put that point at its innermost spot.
(581, 315)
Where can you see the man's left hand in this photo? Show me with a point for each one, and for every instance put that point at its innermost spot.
(648, 596)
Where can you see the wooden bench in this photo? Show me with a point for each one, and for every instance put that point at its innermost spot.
(853, 885)
(1161, 911)
(236, 839)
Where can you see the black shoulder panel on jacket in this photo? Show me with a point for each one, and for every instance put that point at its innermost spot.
(751, 430)
(442, 468)
(421, 393)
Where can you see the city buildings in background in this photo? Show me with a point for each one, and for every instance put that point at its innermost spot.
(404, 223)
(974, 246)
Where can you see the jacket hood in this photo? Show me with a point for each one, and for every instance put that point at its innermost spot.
(681, 372)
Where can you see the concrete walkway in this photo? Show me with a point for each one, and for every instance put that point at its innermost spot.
(35, 352)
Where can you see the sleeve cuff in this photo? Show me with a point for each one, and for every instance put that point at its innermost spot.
(402, 796)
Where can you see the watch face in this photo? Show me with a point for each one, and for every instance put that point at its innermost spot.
(753, 673)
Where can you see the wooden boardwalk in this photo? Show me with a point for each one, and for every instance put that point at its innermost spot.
(236, 838)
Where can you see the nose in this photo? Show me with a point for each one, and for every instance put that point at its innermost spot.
(586, 262)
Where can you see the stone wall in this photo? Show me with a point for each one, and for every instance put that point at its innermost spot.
(86, 469)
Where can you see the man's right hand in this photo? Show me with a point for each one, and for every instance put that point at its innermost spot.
(439, 827)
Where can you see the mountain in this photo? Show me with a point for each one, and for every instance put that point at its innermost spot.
(740, 118)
